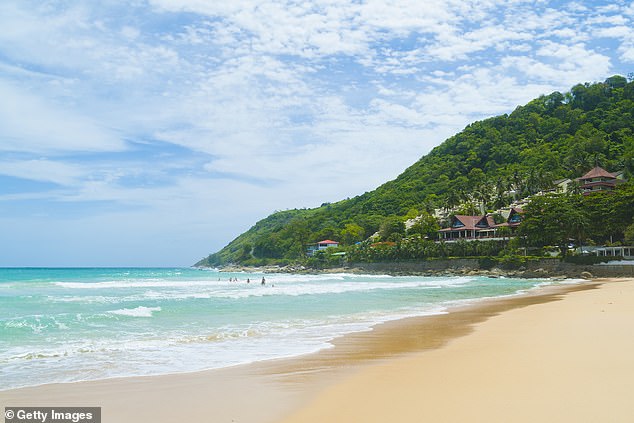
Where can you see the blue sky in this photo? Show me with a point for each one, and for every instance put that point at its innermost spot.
(152, 132)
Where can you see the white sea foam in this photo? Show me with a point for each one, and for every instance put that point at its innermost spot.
(277, 285)
(85, 299)
(134, 283)
(140, 311)
(571, 281)
(294, 289)
(184, 283)
(205, 323)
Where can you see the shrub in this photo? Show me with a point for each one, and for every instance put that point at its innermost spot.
(486, 263)
(590, 260)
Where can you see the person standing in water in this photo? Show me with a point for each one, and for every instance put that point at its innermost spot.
(263, 281)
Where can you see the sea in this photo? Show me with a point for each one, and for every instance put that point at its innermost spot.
(66, 325)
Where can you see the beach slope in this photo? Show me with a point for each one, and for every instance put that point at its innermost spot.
(563, 361)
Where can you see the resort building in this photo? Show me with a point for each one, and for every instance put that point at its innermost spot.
(561, 185)
(513, 219)
(627, 252)
(321, 245)
(468, 227)
(482, 227)
(597, 180)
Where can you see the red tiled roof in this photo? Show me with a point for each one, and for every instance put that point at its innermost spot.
(327, 241)
(597, 172)
(469, 223)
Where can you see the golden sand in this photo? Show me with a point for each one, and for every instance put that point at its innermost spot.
(564, 361)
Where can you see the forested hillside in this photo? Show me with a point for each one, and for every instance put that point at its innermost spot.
(554, 136)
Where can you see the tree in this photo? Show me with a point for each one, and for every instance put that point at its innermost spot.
(245, 254)
(482, 196)
(616, 81)
(297, 231)
(610, 212)
(390, 227)
(469, 209)
(504, 232)
(268, 246)
(426, 226)
(328, 232)
(452, 199)
(554, 220)
(501, 188)
(352, 233)
(629, 234)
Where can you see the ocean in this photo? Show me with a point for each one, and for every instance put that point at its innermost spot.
(65, 325)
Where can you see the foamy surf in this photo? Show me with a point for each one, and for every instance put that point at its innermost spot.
(101, 323)
(136, 312)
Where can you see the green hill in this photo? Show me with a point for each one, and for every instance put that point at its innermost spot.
(554, 136)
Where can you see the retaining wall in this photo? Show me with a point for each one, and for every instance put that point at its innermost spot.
(532, 268)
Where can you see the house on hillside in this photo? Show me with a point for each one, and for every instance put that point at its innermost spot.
(468, 227)
(321, 245)
(598, 180)
(561, 185)
(481, 227)
(513, 219)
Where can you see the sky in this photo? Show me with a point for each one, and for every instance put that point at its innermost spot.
(153, 132)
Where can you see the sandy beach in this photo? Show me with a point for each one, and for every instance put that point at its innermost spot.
(561, 361)
(562, 355)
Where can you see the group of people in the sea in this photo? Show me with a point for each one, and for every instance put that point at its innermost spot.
(232, 279)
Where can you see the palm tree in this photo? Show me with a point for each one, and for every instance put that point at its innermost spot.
(574, 187)
(452, 199)
(481, 195)
(502, 186)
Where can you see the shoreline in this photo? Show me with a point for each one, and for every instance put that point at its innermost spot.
(450, 306)
(526, 269)
(275, 387)
(563, 359)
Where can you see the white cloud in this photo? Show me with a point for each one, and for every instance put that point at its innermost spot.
(42, 170)
(614, 32)
(34, 124)
(616, 20)
(627, 52)
(561, 64)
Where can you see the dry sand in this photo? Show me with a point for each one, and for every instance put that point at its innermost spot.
(563, 361)
(564, 355)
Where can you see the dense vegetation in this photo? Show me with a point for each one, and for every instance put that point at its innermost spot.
(603, 218)
(551, 224)
(483, 167)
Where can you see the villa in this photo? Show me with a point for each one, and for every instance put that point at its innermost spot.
(561, 186)
(482, 227)
(321, 245)
(597, 180)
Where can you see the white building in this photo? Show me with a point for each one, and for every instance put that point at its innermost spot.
(321, 245)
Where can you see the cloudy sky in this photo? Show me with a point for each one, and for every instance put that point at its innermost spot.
(152, 132)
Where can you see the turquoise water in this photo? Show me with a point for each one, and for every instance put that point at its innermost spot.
(63, 325)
